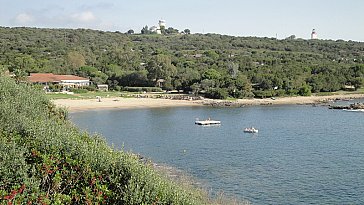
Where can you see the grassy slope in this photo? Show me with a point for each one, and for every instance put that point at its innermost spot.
(45, 159)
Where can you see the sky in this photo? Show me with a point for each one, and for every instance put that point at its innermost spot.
(332, 19)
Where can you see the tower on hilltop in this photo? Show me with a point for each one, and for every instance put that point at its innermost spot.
(314, 34)
(162, 23)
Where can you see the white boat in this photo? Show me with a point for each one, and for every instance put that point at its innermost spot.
(354, 110)
(207, 122)
(251, 130)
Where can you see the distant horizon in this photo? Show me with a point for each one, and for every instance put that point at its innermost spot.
(332, 19)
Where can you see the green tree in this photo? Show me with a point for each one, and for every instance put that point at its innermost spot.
(75, 60)
(187, 31)
(20, 75)
(358, 70)
(93, 73)
(185, 78)
(358, 82)
(243, 87)
(212, 54)
(160, 67)
(316, 83)
(305, 90)
(24, 62)
(145, 30)
(217, 93)
(195, 88)
(211, 74)
(207, 84)
(291, 37)
(134, 79)
(87, 71)
(171, 30)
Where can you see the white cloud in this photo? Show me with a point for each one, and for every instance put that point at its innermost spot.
(98, 6)
(83, 17)
(59, 17)
(24, 18)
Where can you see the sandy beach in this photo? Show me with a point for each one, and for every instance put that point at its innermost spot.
(133, 103)
(122, 103)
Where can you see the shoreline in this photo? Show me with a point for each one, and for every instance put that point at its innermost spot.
(76, 105)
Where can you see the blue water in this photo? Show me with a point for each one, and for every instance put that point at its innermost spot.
(301, 155)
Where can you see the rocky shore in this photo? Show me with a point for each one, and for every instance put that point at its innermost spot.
(353, 106)
(299, 100)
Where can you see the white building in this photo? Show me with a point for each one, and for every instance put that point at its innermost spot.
(157, 29)
(314, 34)
(162, 23)
(66, 81)
(154, 29)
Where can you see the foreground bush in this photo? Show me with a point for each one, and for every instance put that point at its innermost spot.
(44, 159)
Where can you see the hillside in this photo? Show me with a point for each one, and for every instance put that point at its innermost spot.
(45, 159)
(217, 64)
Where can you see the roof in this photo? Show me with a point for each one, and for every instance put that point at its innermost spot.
(70, 77)
(50, 77)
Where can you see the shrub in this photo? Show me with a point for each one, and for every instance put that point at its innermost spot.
(117, 88)
(46, 160)
(217, 93)
(12, 162)
(78, 90)
(292, 92)
(305, 90)
(280, 92)
(90, 88)
(262, 94)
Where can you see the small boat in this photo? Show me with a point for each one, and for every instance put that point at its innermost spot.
(207, 122)
(250, 130)
(354, 110)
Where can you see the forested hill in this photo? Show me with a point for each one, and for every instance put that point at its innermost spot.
(220, 65)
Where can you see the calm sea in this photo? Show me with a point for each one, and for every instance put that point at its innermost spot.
(301, 155)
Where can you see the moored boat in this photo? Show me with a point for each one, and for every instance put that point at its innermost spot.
(251, 130)
(207, 122)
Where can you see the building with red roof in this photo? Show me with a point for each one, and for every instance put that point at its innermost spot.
(66, 81)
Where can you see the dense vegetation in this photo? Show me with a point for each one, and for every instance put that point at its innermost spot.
(217, 65)
(44, 159)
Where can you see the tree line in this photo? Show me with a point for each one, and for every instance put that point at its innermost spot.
(219, 66)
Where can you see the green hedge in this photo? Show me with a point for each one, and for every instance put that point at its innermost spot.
(44, 159)
(142, 89)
